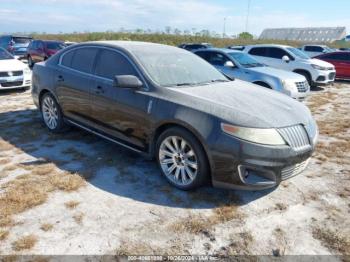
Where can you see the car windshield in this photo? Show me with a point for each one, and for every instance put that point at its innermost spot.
(21, 40)
(55, 45)
(298, 53)
(168, 67)
(245, 60)
(4, 55)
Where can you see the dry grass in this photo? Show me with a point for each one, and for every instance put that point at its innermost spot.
(332, 240)
(24, 243)
(78, 218)
(3, 234)
(4, 161)
(198, 224)
(46, 227)
(4, 146)
(71, 204)
(239, 245)
(30, 190)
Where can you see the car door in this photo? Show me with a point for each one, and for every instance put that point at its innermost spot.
(40, 52)
(341, 61)
(74, 81)
(120, 112)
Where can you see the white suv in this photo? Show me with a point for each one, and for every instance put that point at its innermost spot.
(316, 72)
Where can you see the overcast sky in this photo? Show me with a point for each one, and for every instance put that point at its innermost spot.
(53, 16)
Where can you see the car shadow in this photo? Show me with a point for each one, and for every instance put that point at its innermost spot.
(107, 166)
(317, 88)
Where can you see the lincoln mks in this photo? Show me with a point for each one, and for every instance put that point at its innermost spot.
(168, 103)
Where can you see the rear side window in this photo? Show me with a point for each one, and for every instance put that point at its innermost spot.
(277, 53)
(83, 59)
(111, 63)
(67, 59)
(338, 56)
(204, 55)
(311, 48)
(258, 51)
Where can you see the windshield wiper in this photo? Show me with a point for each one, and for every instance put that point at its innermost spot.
(219, 80)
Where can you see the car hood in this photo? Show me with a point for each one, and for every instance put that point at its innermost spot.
(281, 74)
(316, 61)
(11, 65)
(242, 103)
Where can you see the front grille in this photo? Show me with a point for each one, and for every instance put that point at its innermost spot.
(293, 170)
(296, 137)
(331, 76)
(11, 73)
(11, 84)
(302, 86)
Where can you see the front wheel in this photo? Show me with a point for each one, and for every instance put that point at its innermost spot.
(182, 159)
(30, 62)
(51, 114)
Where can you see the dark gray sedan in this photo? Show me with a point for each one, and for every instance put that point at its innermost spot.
(168, 103)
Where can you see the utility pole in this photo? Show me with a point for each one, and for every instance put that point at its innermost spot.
(247, 20)
(224, 32)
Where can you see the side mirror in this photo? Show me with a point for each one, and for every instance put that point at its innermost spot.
(127, 81)
(229, 64)
(286, 59)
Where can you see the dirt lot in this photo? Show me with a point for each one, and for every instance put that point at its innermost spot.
(74, 193)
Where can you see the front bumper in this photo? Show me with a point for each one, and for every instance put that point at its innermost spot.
(244, 165)
(325, 77)
(14, 83)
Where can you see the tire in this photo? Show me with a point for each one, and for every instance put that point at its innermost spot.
(182, 159)
(307, 76)
(51, 114)
(30, 61)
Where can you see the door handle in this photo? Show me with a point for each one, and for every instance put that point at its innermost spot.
(99, 90)
(60, 78)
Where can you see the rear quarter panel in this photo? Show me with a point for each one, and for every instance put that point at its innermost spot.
(42, 80)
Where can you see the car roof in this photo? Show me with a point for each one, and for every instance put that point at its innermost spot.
(268, 45)
(133, 46)
(223, 50)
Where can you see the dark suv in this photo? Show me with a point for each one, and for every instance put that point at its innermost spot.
(16, 45)
(40, 50)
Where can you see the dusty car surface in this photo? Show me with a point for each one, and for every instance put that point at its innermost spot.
(168, 103)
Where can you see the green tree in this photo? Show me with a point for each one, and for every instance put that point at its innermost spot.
(245, 35)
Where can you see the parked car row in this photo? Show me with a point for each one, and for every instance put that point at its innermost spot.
(24, 47)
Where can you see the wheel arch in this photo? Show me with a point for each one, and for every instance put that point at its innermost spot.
(263, 84)
(161, 127)
(298, 71)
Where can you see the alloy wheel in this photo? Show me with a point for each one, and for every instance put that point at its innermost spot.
(50, 112)
(178, 160)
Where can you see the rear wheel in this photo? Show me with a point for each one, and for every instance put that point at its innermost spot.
(182, 159)
(52, 114)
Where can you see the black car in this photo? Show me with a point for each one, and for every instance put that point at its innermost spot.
(167, 103)
(192, 47)
(16, 45)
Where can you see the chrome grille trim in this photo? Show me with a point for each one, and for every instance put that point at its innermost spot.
(294, 170)
(302, 86)
(296, 137)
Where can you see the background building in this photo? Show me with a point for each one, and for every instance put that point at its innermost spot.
(307, 34)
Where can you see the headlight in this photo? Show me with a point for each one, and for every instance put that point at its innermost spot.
(264, 136)
(288, 85)
(27, 71)
(317, 67)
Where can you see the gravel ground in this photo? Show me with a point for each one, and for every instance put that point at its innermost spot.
(123, 206)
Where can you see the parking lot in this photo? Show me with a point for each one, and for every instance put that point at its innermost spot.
(75, 193)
